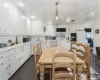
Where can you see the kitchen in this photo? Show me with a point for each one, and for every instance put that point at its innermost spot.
(24, 24)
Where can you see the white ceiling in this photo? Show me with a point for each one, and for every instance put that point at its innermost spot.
(74, 9)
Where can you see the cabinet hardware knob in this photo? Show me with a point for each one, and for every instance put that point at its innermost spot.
(1, 57)
(7, 68)
(1, 63)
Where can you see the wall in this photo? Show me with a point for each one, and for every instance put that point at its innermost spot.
(37, 27)
(96, 39)
(50, 30)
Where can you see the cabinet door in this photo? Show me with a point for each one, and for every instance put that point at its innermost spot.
(4, 72)
(7, 16)
(1, 16)
(13, 67)
(28, 26)
(19, 22)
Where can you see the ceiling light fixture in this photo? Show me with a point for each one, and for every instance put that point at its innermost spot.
(91, 14)
(90, 8)
(50, 22)
(57, 19)
(68, 20)
(33, 17)
(21, 4)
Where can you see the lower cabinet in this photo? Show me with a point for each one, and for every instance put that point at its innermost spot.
(10, 64)
(4, 72)
(13, 67)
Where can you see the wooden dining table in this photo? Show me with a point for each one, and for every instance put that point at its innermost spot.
(45, 61)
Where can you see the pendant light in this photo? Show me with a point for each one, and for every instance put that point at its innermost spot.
(57, 19)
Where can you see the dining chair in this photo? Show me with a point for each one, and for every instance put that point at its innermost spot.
(85, 55)
(74, 46)
(37, 66)
(39, 48)
(83, 52)
(64, 71)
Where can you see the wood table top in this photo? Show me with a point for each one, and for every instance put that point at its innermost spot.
(47, 54)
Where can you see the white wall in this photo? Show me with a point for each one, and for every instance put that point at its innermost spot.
(28, 26)
(75, 27)
(37, 27)
(96, 25)
(4, 39)
(50, 30)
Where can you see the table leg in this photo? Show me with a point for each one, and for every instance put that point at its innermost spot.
(41, 72)
(79, 70)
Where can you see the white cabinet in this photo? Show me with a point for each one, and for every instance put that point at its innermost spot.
(19, 22)
(1, 16)
(27, 51)
(4, 72)
(7, 17)
(28, 26)
(11, 60)
(13, 67)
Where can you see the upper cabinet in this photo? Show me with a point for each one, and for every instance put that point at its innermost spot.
(28, 26)
(19, 22)
(1, 16)
(12, 20)
(8, 17)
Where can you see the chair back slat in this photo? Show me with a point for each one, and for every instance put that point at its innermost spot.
(64, 65)
(63, 55)
(60, 65)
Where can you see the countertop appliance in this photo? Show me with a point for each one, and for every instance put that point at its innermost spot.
(26, 39)
(2, 45)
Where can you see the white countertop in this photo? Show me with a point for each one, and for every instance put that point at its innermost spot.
(13, 46)
(10, 47)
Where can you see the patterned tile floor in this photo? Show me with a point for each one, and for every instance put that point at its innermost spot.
(94, 76)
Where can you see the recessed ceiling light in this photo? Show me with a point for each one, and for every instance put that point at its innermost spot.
(91, 14)
(50, 22)
(68, 20)
(6, 4)
(91, 8)
(33, 17)
(23, 17)
(21, 4)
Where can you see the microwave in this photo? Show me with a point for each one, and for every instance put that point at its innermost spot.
(26, 39)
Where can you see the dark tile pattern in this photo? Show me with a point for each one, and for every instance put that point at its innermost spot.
(95, 66)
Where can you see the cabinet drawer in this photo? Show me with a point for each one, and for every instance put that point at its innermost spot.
(4, 62)
(13, 57)
(4, 55)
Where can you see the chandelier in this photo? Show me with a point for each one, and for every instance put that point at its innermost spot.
(57, 19)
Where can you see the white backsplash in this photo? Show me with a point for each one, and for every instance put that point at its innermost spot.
(5, 38)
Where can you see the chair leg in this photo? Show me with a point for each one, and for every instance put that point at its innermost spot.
(50, 75)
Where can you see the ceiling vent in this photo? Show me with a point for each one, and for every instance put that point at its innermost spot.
(72, 20)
